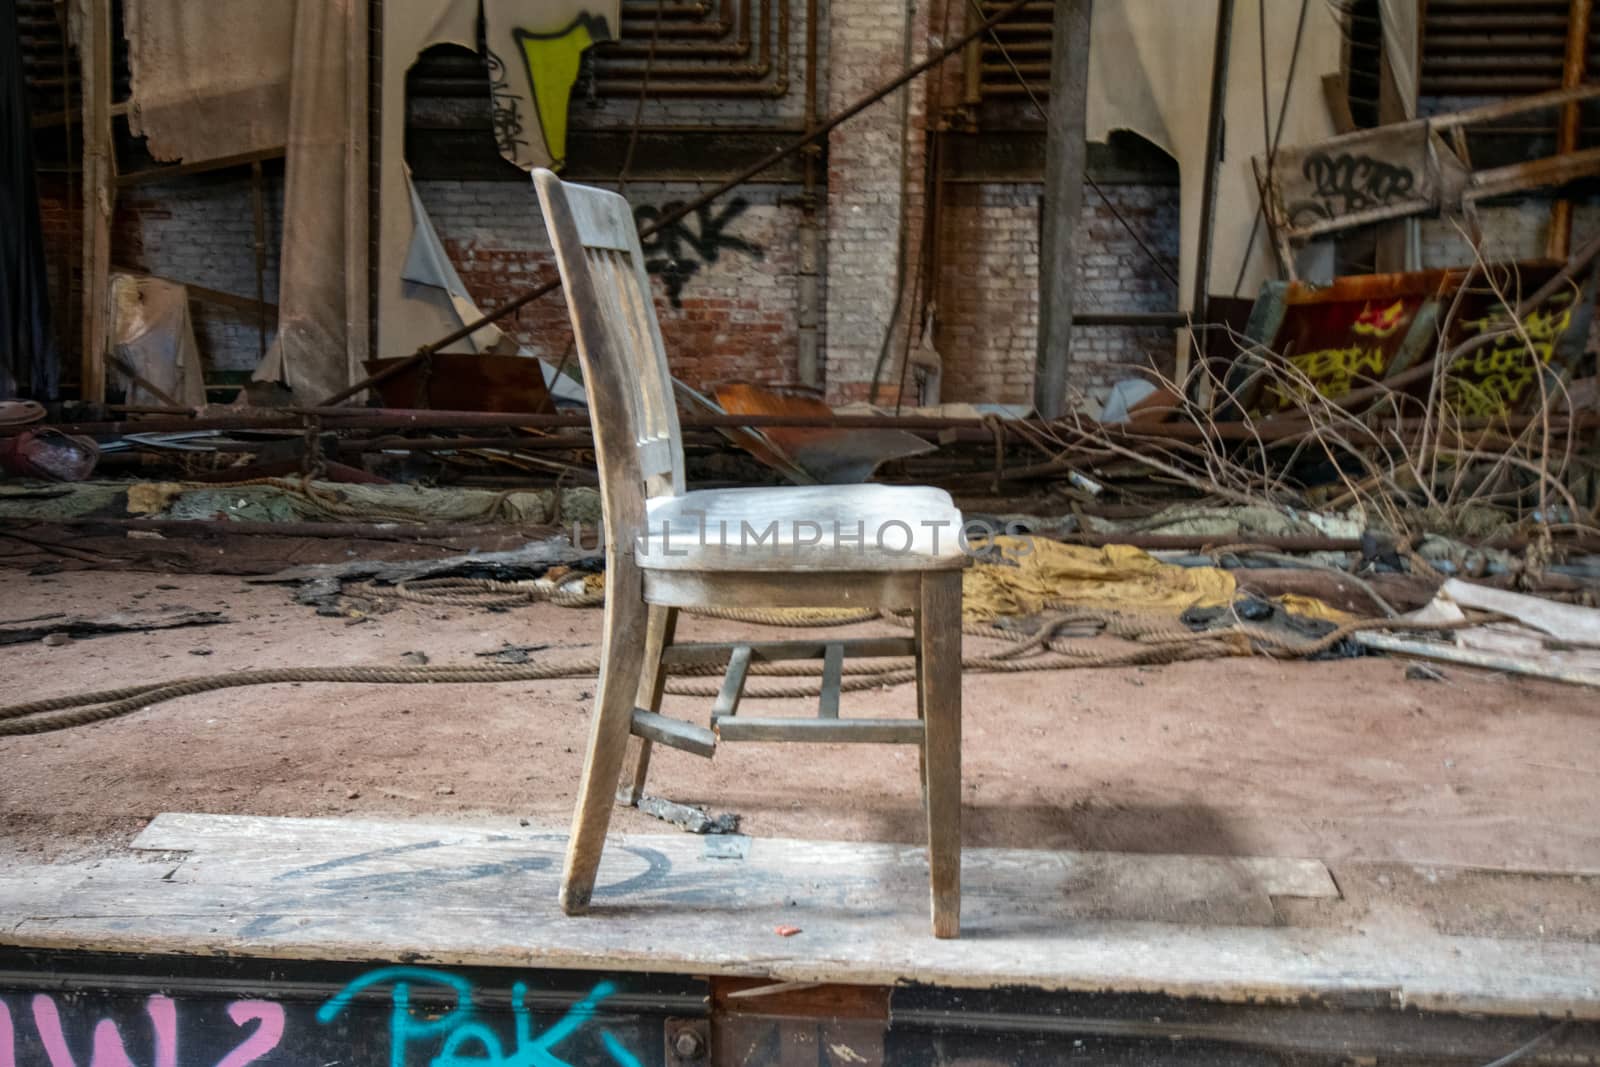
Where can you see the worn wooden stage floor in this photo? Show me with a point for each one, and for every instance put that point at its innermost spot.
(485, 894)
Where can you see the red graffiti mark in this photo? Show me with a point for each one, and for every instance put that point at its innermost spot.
(1380, 322)
(8, 1038)
(263, 1040)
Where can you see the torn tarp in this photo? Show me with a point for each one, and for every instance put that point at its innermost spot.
(431, 276)
(210, 80)
(310, 354)
(432, 279)
(154, 359)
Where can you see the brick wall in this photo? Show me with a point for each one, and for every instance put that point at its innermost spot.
(870, 219)
(202, 230)
(727, 287)
(1515, 230)
(989, 303)
(725, 284)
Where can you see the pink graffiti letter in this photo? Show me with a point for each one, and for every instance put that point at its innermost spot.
(163, 1014)
(8, 1042)
(48, 1022)
(108, 1050)
(266, 1036)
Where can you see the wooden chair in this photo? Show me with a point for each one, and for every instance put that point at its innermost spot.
(891, 547)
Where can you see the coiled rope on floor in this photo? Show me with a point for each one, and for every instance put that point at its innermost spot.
(1151, 640)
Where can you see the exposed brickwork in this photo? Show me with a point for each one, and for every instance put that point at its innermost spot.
(868, 161)
(735, 315)
(202, 230)
(989, 304)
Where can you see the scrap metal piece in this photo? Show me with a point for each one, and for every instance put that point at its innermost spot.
(685, 817)
(831, 456)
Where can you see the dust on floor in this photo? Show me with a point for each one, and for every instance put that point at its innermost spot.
(1396, 784)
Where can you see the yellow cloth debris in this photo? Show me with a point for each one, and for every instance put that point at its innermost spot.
(1118, 577)
(1115, 578)
(1309, 607)
(151, 498)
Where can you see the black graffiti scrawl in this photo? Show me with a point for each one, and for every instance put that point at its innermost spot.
(1345, 184)
(507, 121)
(677, 251)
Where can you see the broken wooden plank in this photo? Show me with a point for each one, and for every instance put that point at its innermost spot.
(1468, 657)
(486, 896)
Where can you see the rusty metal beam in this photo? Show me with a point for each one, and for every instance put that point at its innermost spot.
(1559, 242)
(1266, 431)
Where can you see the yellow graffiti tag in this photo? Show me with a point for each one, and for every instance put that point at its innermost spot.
(1332, 371)
(1493, 380)
(552, 61)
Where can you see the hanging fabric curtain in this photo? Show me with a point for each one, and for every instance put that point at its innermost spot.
(29, 361)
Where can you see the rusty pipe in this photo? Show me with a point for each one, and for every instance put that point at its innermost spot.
(1277, 428)
(740, 46)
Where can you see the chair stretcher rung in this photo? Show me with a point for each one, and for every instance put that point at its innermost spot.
(674, 733)
(832, 682)
(693, 652)
(733, 683)
(869, 731)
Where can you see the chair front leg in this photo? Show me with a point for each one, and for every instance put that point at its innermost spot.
(939, 689)
(658, 637)
(621, 658)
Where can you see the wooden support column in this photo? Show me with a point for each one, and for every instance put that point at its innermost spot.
(359, 204)
(1389, 251)
(1221, 45)
(259, 210)
(1559, 243)
(99, 192)
(1065, 152)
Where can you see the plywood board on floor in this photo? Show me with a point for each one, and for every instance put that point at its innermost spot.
(456, 894)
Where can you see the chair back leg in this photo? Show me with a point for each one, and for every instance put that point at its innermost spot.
(621, 661)
(939, 694)
(659, 634)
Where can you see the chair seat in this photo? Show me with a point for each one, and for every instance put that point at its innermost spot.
(803, 528)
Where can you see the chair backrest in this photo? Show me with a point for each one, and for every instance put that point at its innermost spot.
(638, 447)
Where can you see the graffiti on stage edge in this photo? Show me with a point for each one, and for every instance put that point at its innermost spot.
(424, 1015)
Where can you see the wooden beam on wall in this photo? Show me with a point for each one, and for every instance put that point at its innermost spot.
(99, 191)
(358, 205)
(1066, 150)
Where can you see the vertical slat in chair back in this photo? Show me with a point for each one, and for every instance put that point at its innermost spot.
(614, 323)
